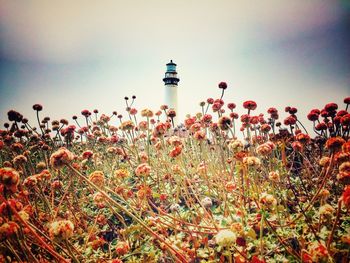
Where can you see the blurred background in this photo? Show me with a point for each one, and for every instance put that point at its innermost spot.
(75, 55)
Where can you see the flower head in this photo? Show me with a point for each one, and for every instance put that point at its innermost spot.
(225, 237)
(222, 85)
(61, 229)
(143, 170)
(9, 177)
(249, 105)
(61, 157)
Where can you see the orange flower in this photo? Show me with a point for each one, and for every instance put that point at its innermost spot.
(61, 157)
(122, 248)
(97, 177)
(335, 143)
(143, 170)
(346, 196)
(8, 229)
(10, 178)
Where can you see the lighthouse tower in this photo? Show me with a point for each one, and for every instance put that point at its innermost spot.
(170, 82)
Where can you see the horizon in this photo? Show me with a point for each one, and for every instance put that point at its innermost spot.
(74, 56)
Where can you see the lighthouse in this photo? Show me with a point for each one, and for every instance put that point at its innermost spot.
(170, 83)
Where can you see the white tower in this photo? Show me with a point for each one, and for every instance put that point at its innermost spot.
(170, 82)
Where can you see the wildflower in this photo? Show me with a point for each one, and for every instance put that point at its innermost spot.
(19, 160)
(303, 138)
(331, 107)
(174, 208)
(60, 158)
(290, 120)
(14, 116)
(326, 210)
(61, 229)
(97, 177)
(346, 147)
(175, 141)
(87, 154)
(225, 237)
(245, 118)
(335, 143)
(85, 113)
(224, 123)
(8, 230)
(127, 126)
(175, 151)
(171, 113)
(264, 149)
(122, 248)
(99, 200)
(265, 128)
(324, 161)
(268, 200)
(206, 202)
(346, 196)
(222, 85)
(230, 186)
(345, 120)
(210, 100)
(250, 105)
(199, 135)
(324, 194)
(160, 129)
(297, 146)
(143, 170)
(344, 173)
(252, 161)
(231, 106)
(147, 113)
(318, 252)
(235, 145)
(274, 176)
(9, 177)
(121, 173)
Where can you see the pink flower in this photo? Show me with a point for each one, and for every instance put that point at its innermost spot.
(249, 105)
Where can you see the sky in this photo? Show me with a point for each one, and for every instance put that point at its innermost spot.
(75, 55)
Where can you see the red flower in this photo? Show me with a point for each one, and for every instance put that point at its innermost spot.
(313, 115)
(331, 107)
(234, 115)
(255, 259)
(289, 120)
(223, 85)
(272, 111)
(249, 105)
(335, 143)
(231, 106)
(265, 127)
(245, 118)
(346, 196)
(321, 126)
(303, 138)
(176, 151)
(85, 113)
(347, 100)
(254, 120)
(210, 100)
(345, 120)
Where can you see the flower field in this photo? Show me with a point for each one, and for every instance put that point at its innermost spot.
(137, 188)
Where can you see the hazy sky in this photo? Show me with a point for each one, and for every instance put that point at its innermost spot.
(72, 55)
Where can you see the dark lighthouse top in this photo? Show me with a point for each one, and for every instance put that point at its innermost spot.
(171, 74)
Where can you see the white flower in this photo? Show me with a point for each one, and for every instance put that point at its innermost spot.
(225, 237)
(206, 202)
